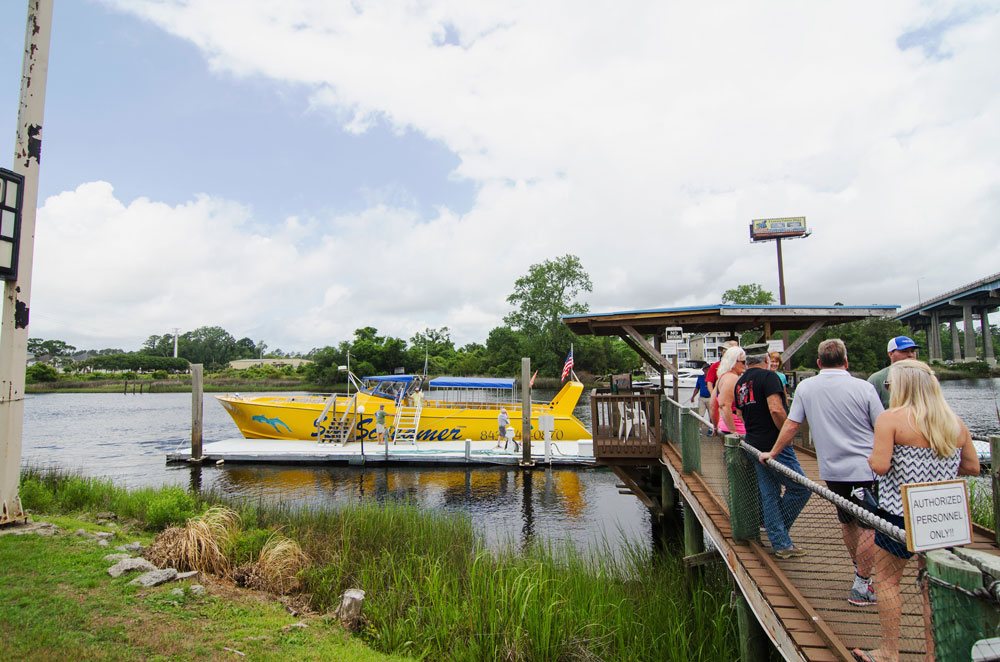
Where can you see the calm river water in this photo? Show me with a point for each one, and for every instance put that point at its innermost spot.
(125, 438)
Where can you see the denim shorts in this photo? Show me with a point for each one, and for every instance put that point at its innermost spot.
(892, 545)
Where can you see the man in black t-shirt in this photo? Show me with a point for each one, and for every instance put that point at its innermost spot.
(760, 397)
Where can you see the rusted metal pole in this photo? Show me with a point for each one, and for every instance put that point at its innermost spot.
(781, 275)
(17, 293)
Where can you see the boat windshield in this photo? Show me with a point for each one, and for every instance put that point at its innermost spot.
(393, 387)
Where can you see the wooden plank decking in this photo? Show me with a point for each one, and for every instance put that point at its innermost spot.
(802, 602)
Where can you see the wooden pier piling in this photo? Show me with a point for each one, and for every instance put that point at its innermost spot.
(197, 410)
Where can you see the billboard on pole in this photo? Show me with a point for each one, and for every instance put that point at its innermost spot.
(778, 228)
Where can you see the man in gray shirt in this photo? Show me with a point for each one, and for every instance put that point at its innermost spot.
(841, 411)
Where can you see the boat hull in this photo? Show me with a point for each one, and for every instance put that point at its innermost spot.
(294, 417)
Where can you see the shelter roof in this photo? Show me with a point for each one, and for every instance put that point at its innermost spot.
(733, 318)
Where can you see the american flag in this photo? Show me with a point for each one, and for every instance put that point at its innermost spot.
(568, 365)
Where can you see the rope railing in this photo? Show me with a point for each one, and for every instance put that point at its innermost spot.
(862, 514)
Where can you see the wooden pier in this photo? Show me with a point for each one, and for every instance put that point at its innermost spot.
(799, 603)
(797, 606)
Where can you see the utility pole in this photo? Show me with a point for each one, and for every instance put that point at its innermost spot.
(17, 292)
(176, 332)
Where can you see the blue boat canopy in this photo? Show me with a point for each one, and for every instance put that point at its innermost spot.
(471, 382)
(401, 379)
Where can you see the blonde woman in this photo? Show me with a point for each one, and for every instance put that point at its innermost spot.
(919, 439)
(733, 364)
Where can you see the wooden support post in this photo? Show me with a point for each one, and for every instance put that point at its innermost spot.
(668, 494)
(753, 641)
(744, 497)
(694, 534)
(666, 422)
(690, 444)
(954, 620)
(197, 409)
(526, 460)
(995, 477)
(677, 379)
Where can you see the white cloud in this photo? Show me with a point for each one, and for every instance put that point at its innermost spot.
(641, 137)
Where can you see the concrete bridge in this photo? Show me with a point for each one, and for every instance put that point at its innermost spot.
(976, 299)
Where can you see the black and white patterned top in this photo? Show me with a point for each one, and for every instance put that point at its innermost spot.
(913, 465)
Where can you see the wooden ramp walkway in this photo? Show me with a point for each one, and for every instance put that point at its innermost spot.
(802, 602)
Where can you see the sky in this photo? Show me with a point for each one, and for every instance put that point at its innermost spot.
(292, 170)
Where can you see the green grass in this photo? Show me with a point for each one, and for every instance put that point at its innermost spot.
(433, 590)
(58, 602)
(981, 503)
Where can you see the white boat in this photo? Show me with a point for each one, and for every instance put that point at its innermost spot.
(687, 378)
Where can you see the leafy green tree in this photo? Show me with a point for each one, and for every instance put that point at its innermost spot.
(548, 291)
(540, 298)
(865, 340)
(751, 294)
(434, 344)
(40, 372)
(248, 349)
(53, 348)
(159, 345)
(504, 349)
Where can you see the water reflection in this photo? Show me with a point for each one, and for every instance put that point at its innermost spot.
(581, 506)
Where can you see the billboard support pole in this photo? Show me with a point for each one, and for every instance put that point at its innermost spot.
(781, 277)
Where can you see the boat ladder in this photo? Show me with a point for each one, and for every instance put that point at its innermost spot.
(406, 425)
(339, 430)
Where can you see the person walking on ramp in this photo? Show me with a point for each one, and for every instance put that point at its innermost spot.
(760, 398)
(841, 410)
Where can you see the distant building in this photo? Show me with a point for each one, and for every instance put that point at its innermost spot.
(698, 346)
(243, 364)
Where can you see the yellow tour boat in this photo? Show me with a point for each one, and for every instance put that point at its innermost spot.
(451, 409)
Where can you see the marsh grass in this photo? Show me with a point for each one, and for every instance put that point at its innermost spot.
(434, 591)
(200, 544)
(981, 503)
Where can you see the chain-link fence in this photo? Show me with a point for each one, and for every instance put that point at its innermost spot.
(836, 552)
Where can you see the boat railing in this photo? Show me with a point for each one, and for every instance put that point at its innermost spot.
(456, 404)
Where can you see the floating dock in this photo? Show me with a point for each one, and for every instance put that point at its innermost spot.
(269, 451)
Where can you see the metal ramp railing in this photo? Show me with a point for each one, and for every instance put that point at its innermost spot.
(339, 430)
(406, 425)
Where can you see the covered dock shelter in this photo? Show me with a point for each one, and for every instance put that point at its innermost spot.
(978, 298)
(635, 326)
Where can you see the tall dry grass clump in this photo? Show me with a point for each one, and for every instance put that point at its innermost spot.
(277, 568)
(199, 544)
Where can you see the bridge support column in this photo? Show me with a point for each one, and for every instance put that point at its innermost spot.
(934, 338)
(984, 323)
(956, 342)
(970, 333)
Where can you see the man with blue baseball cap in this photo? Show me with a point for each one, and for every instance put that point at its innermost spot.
(899, 348)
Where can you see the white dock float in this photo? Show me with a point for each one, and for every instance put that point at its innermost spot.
(269, 451)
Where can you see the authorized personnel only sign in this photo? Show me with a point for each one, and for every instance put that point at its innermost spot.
(936, 515)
